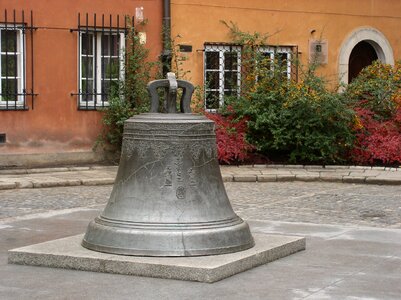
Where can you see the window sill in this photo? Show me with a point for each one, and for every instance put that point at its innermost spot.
(13, 108)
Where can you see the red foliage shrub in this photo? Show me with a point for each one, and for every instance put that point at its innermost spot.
(378, 141)
(230, 134)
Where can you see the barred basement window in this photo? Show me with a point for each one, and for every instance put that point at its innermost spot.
(101, 61)
(222, 75)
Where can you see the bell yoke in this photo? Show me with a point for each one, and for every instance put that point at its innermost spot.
(168, 198)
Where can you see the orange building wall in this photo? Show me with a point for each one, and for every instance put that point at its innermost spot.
(290, 22)
(55, 124)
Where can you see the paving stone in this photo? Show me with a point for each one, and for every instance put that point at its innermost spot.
(227, 178)
(384, 181)
(7, 185)
(289, 177)
(336, 167)
(24, 185)
(301, 177)
(79, 168)
(13, 171)
(258, 166)
(331, 177)
(245, 178)
(360, 168)
(46, 170)
(293, 166)
(50, 183)
(98, 181)
(267, 178)
(354, 179)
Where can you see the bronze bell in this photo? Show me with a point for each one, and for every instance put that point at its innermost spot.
(168, 198)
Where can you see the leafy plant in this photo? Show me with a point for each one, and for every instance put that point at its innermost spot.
(377, 88)
(376, 97)
(232, 146)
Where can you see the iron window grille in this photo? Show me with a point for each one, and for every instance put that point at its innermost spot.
(278, 56)
(101, 60)
(222, 69)
(222, 74)
(13, 67)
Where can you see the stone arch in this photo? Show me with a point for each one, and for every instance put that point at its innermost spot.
(367, 34)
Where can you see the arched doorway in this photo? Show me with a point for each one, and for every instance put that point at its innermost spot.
(361, 56)
(367, 35)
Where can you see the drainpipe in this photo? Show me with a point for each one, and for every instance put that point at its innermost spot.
(166, 55)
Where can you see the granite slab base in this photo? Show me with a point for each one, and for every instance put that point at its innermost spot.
(68, 253)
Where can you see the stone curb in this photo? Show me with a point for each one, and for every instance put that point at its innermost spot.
(54, 170)
(356, 175)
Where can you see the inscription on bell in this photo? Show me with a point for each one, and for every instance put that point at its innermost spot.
(181, 192)
(168, 176)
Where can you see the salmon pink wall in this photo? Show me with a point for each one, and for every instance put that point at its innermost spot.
(55, 123)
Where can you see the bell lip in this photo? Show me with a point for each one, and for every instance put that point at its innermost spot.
(169, 242)
(105, 221)
(169, 253)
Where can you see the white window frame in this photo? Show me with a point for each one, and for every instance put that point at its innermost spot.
(282, 49)
(97, 101)
(20, 76)
(221, 49)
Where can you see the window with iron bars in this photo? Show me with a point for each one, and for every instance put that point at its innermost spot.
(222, 75)
(101, 67)
(101, 58)
(12, 67)
(278, 56)
(14, 29)
(222, 70)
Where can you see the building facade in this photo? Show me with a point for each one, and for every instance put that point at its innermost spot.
(59, 60)
(343, 35)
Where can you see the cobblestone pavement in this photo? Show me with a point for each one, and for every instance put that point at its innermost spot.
(310, 202)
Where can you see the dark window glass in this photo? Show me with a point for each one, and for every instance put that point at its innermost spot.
(230, 80)
(9, 89)
(9, 41)
(87, 44)
(212, 60)
(87, 90)
(87, 67)
(110, 45)
(212, 80)
(230, 60)
(9, 65)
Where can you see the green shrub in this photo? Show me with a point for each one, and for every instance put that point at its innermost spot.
(376, 97)
(297, 121)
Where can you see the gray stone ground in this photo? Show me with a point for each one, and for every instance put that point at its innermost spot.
(353, 244)
(310, 202)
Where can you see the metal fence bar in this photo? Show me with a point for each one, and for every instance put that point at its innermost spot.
(15, 67)
(110, 58)
(101, 61)
(6, 43)
(94, 67)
